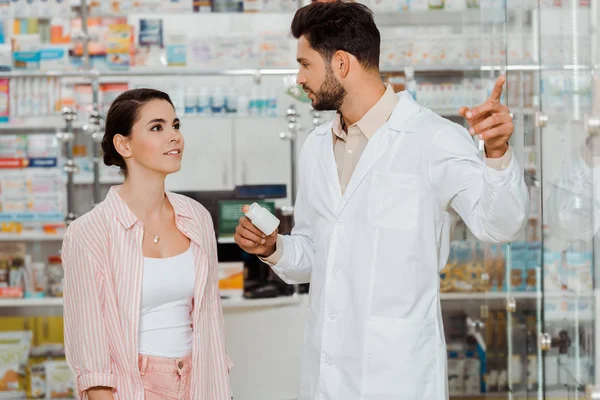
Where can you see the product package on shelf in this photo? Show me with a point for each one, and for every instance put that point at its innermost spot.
(120, 47)
(44, 339)
(59, 380)
(231, 279)
(476, 267)
(26, 51)
(85, 174)
(12, 269)
(276, 50)
(568, 271)
(149, 49)
(54, 58)
(464, 368)
(31, 185)
(4, 100)
(20, 276)
(33, 197)
(176, 49)
(465, 269)
(33, 97)
(14, 354)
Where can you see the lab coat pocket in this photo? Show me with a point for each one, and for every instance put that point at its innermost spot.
(394, 200)
(400, 359)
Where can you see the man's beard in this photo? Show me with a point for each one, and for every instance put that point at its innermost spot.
(331, 94)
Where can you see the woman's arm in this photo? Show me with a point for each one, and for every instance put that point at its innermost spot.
(86, 341)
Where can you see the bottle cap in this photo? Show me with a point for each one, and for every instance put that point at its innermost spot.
(253, 211)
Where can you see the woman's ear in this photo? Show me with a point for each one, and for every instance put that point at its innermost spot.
(122, 145)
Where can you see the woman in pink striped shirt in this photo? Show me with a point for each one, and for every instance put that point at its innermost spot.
(142, 311)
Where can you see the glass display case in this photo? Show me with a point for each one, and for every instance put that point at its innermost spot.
(520, 318)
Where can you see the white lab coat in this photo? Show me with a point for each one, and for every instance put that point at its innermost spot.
(373, 255)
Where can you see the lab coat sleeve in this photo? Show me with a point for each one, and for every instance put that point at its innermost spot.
(297, 251)
(493, 203)
(572, 207)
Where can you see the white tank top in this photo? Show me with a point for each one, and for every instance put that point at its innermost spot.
(167, 292)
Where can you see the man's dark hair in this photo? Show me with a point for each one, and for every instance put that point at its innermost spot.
(338, 25)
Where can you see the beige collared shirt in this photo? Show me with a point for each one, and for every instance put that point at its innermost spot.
(348, 146)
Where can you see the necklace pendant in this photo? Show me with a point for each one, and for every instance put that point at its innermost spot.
(155, 239)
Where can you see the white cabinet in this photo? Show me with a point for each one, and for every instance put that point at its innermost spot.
(207, 160)
(261, 157)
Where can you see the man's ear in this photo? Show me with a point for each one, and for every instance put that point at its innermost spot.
(340, 63)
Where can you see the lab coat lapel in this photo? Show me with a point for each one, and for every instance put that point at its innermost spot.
(401, 121)
(328, 165)
(378, 145)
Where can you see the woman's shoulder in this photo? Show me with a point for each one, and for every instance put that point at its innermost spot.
(188, 205)
(89, 227)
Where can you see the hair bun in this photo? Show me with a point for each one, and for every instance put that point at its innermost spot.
(111, 156)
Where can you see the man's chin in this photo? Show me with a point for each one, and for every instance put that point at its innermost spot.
(319, 107)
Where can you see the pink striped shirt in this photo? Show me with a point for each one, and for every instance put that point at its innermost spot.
(102, 259)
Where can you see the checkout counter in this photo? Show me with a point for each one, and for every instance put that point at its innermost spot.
(264, 317)
(265, 339)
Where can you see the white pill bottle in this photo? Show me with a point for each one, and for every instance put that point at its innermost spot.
(262, 219)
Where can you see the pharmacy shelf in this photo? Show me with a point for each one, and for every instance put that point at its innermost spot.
(382, 18)
(45, 124)
(38, 73)
(438, 17)
(458, 68)
(496, 296)
(485, 296)
(519, 395)
(226, 303)
(500, 395)
(172, 71)
(30, 237)
(42, 302)
(103, 181)
(177, 71)
(453, 112)
(226, 117)
(437, 68)
(167, 71)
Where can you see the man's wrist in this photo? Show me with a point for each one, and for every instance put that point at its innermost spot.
(496, 152)
(269, 252)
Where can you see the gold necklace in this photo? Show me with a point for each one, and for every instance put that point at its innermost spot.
(155, 238)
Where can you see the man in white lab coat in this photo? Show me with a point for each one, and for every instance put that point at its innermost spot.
(378, 192)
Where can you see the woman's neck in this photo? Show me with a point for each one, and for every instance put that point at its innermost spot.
(144, 197)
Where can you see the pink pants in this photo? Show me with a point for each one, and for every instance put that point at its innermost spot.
(165, 378)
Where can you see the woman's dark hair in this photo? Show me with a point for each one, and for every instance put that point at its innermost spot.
(338, 25)
(124, 112)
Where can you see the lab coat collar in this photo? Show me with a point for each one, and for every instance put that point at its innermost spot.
(405, 115)
(403, 118)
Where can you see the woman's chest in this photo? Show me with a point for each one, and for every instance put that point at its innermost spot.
(169, 280)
